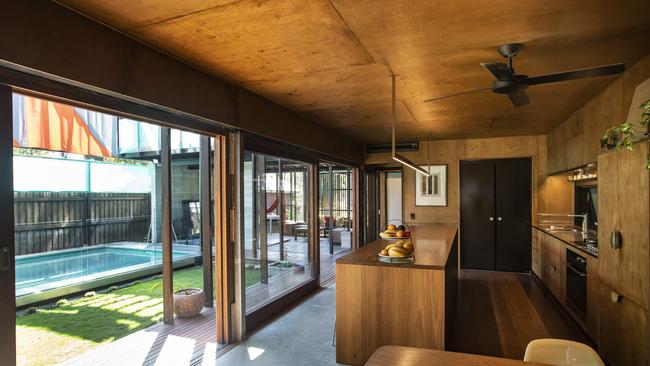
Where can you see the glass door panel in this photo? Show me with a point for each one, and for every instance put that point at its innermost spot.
(335, 214)
(276, 227)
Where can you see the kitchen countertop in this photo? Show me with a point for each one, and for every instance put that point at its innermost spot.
(572, 238)
(432, 243)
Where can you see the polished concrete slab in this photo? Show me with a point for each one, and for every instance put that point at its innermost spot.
(302, 336)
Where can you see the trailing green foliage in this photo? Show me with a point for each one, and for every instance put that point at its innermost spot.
(626, 134)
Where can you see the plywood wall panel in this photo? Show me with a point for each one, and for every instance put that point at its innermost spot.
(597, 115)
(557, 160)
(574, 129)
(555, 194)
(542, 155)
(451, 152)
(504, 147)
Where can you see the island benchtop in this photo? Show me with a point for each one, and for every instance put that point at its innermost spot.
(432, 243)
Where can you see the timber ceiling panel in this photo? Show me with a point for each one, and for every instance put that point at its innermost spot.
(330, 60)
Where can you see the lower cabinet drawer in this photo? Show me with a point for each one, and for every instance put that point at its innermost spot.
(623, 330)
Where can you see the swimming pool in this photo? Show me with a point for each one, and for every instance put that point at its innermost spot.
(44, 276)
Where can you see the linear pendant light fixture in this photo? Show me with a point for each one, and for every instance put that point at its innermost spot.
(396, 156)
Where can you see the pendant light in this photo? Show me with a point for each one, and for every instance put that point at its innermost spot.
(402, 160)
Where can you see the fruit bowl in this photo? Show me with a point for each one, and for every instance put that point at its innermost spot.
(400, 251)
(396, 230)
(385, 236)
(410, 255)
(399, 260)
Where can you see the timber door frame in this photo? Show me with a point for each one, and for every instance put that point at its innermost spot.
(7, 248)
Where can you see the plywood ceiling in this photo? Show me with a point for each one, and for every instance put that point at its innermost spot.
(331, 60)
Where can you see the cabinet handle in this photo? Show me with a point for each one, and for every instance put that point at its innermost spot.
(616, 297)
(615, 240)
(4, 259)
(491, 218)
(499, 218)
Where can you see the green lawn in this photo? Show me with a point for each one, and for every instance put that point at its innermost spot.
(50, 336)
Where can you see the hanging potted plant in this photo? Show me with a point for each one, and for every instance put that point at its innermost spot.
(625, 135)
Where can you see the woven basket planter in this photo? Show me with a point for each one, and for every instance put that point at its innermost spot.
(188, 302)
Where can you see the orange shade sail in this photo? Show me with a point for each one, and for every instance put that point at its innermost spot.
(58, 127)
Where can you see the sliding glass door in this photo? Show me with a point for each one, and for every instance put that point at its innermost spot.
(97, 206)
(276, 228)
(336, 215)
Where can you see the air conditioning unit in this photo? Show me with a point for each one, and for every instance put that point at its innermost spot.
(404, 146)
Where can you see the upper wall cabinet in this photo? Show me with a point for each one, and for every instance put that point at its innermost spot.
(575, 142)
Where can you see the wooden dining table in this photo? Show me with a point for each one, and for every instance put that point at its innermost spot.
(403, 356)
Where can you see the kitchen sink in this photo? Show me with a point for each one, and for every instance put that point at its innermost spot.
(561, 228)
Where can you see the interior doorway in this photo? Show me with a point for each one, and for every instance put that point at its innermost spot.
(383, 200)
(393, 197)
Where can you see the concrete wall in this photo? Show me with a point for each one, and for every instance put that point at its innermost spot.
(47, 37)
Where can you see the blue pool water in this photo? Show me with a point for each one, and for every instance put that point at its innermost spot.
(50, 270)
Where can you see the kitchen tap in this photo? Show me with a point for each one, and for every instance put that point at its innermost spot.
(585, 224)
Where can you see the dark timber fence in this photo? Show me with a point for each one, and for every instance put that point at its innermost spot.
(47, 221)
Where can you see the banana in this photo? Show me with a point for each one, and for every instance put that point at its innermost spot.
(397, 252)
(393, 246)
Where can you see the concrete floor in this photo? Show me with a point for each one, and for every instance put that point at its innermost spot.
(303, 336)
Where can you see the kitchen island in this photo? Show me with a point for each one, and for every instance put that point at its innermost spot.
(381, 303)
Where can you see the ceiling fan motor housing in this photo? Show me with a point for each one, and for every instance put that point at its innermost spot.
(509, 86)
(510, 49)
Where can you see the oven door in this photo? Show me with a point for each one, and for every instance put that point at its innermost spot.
(576, 289)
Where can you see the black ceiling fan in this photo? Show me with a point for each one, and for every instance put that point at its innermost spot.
(514, 85)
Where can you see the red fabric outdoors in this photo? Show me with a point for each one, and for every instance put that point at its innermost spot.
(274, 205)
(58, 127)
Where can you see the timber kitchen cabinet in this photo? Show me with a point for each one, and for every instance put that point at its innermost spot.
(624, 235)
(552, 266)
(536, 236)
(549, 264)
(624, 330)
(593, 299)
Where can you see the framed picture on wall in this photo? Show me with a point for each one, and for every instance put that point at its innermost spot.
(431, 191)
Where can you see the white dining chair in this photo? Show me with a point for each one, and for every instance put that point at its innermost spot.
(560, 352)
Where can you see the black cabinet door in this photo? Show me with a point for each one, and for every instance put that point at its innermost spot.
(513, 212)
(495, 212)
(477, 229)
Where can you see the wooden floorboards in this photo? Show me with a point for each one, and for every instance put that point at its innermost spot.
(498, 313)
(261, 294)
(186, 342)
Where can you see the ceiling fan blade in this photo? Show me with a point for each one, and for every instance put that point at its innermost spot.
(457, 94)
(519, 98)
(576, 74)
(500, 71)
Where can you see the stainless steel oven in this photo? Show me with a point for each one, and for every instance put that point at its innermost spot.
(576, 283)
